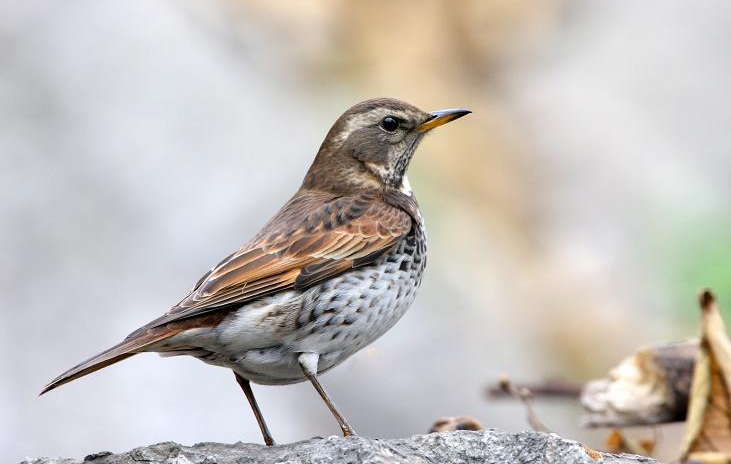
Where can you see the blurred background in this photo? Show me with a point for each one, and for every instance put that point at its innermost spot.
(572, 217)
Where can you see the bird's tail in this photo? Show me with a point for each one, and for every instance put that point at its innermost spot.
(132, 345)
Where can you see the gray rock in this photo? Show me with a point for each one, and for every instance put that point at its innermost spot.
(463, 447)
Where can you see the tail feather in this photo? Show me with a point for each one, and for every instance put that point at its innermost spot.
(132, 345)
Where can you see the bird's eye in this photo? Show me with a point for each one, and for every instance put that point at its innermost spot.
(390, 123)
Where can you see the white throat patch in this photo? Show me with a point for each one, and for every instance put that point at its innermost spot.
(406, 186)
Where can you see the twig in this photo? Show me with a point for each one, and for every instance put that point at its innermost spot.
(553, 389)
(526, 397)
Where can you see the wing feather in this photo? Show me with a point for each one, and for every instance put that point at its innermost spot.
(314, 237)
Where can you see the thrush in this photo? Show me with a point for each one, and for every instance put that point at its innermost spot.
(332, 271)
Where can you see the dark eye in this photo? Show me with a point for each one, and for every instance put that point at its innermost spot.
(390, 123)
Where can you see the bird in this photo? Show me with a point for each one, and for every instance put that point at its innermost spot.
(333, 270)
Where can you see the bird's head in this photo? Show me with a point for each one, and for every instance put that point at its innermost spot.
(371, 145)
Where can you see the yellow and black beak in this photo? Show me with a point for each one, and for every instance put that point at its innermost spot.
(442, 117)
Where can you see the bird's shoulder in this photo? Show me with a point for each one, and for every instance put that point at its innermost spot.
(317, 213)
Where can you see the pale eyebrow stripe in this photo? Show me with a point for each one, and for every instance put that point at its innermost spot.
(372, 117)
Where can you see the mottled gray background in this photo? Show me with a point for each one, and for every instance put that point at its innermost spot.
(572, 217)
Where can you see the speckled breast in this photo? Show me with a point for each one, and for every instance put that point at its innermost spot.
(350, 311)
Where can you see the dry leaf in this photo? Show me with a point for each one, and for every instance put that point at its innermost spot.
(649, 387)
(708, 433)
(618, 443)
(449, 424)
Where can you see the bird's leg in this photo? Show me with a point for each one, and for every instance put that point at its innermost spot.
(308, 363)
(246, 387)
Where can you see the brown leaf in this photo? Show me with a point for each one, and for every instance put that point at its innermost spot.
(649, 387)
(708, 433)
(618, 443)
(449, 424)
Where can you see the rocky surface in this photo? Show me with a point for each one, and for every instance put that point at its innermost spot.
(463, 447)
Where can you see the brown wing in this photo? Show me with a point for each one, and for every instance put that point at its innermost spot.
(315, 236)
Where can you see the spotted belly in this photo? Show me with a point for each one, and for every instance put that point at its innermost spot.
(262, 340)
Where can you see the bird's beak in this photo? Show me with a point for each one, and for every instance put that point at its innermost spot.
(441, 117)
